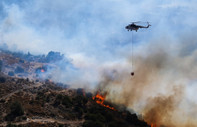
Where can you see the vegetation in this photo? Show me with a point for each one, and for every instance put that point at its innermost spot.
(11, 125)
(16, 109)
(51, 101)
(2, 79)
(19, 70)
(90, 123)
(54, 56)
(110, 118)
(63, 99)
(21, 61)
(1, 65)
(11, 73)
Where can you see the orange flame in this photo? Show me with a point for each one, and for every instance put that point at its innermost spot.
(100, 100)
(153, 125)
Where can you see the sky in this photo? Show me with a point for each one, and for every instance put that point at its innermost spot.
(93, 35)
(90, 28)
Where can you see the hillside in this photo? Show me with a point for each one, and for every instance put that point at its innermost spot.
(28, 99)
(29, 103)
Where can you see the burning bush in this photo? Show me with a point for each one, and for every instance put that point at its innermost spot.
(41, 69)
(99, 99)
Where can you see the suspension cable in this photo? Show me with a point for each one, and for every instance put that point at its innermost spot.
(132, 51)
(132, 61)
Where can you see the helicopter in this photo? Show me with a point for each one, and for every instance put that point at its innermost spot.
(135, 27)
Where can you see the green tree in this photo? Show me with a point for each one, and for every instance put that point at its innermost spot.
(1, 64)
(66, 101)
(90, 123)
(19, 70)
(11, 73)
(16, 109)
(2, 79)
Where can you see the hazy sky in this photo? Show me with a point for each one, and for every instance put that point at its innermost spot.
(93, 34)
(91, 28)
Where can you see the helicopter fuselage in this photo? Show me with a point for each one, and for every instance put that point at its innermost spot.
(135, 27)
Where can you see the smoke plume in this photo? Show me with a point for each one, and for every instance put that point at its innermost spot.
(163, 83)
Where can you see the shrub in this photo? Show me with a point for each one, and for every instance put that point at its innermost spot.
(90, 123)
(131, 117)
(11, 73)
(79, 111)
(11, 125)
(89, 95)
(54, 56)
(21, 61)
(118, 124)
(2, 79)
(15, 110)
(1, 64)
(59, 97)
(2, 101)
(113, 124)
(109, 116)
(80, 91)
(66, 101)
(40, 95)
(80, 100)
(57, 100)
(61, 125)
(19, 70)
(47, 99)
(95, 117)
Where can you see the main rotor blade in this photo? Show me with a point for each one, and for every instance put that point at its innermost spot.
(136, 22)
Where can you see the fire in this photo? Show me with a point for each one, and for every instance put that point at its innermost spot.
(153, 125)
(100, 100)
(42, 70)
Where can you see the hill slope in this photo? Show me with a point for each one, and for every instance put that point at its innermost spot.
(29, 103)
